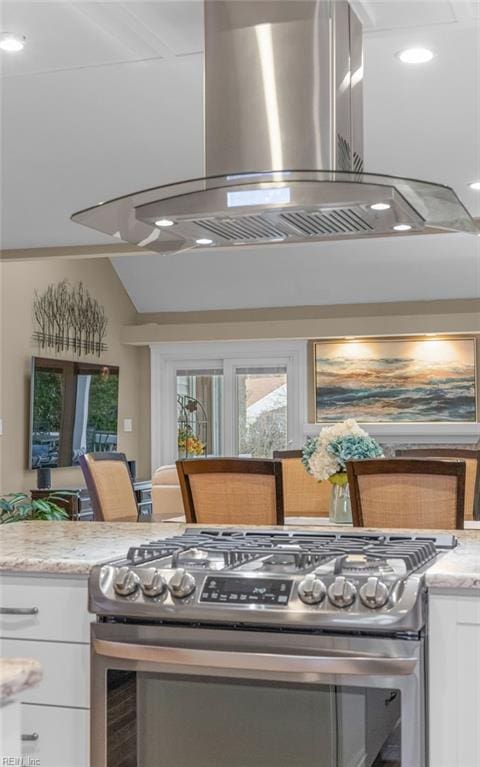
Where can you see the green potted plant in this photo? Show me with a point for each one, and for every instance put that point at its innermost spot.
(18, 507)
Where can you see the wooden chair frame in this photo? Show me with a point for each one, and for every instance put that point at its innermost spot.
(190, 466)
(90, 482)
(454, 452)
(279, 454)
(405, 466)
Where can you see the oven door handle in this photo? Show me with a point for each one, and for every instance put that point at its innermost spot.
(195, 661)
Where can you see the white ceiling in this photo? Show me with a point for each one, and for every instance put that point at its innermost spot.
(426, 267)
(106, 98)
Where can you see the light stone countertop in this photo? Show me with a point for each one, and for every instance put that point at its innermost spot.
(18, 674)
(73, 548)
(459, 569)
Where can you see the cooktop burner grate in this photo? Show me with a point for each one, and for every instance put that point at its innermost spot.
(352, 552)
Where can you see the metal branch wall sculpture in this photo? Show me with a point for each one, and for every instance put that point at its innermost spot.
(68, 317)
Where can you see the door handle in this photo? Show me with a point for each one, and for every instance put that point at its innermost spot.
(28, 737)
(18, 610)
(307, 666)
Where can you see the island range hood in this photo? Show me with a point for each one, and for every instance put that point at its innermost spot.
(283, 143)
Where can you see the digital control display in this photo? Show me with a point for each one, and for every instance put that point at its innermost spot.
(261, 591)
(258, 197)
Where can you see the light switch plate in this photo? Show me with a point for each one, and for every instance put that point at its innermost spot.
(127, 424)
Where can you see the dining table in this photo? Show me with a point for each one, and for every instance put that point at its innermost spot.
(313, 521)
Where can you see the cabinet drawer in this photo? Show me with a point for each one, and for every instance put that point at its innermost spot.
(60, 604)
(66, 671)
(63, 736)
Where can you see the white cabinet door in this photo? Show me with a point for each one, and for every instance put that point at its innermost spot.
(66, 671)
(454, 678)
(10, 745)
(59, 737)
(59, 608)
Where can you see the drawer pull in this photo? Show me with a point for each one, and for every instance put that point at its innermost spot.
(18, 610)
(30, 736)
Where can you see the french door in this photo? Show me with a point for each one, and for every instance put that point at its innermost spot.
(234, 404)
(256, 407)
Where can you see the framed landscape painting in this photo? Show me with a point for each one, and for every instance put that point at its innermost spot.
(400, 380)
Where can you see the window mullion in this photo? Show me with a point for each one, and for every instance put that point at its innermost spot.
(229, 404)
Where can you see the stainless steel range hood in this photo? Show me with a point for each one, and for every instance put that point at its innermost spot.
(283, 143)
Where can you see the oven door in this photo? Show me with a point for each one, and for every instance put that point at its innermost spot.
(203, 697)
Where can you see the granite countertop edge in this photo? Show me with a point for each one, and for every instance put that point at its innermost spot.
(72, 549)
(17, 675)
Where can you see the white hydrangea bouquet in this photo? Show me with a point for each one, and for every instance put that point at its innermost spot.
(326, 456)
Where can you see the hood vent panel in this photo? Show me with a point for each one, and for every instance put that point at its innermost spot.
(315, 224)
(245, 228)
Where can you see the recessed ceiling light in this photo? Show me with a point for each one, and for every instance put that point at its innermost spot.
(11, 43)
(204, 241)
(475, 185)
(415, 55)
(164, 222)
(380, 206)
(402, 227)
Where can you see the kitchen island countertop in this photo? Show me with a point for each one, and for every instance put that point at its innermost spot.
(73, 548)
(18, 674)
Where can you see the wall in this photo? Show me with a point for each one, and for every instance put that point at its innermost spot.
(18, 282)
(396, 318)
(308, 322)
(1, 377)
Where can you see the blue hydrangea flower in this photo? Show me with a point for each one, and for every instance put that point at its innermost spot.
(308, 450)
(354, 448)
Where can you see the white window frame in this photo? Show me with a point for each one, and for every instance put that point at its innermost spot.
(166, 358)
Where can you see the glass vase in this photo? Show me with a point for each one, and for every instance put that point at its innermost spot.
(340, 508)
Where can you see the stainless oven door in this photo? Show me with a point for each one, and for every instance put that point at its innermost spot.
(204, 697)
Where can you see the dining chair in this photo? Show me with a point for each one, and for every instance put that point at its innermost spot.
(407, 493)
(471, 456)
(110, 487)
(303, 495)
(232, 491)
(167, 501)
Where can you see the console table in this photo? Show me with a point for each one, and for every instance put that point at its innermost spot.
(79, 506)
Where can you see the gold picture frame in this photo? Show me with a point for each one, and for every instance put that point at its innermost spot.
(406, 379)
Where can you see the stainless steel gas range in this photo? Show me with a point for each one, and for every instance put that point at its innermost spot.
(262, 649)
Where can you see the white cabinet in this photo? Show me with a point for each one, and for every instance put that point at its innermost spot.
(10, 729)
(60, 605)
(454, 678)
(66, 671)
(46, 618)
(59, 736)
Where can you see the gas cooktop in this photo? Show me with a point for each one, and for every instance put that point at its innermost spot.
(325, 580)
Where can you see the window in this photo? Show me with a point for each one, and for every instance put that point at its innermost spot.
(237, 398)
(261, 413)
(199, 413)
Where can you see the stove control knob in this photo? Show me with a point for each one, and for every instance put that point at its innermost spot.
(311, 590)
(152, 582)
(374, 593)
(342, 593)
(182, 584)
(126, 582)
